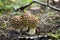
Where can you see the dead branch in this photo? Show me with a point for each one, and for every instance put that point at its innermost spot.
(41, 3)
(48, 5)
(52, 7)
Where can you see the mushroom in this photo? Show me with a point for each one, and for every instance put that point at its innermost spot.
(24, 21)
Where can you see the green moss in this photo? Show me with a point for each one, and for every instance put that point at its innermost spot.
(54, 35)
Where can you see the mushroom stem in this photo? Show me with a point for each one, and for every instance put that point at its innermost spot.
(32, 31)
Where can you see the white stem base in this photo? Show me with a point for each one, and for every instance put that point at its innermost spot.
(32, 31)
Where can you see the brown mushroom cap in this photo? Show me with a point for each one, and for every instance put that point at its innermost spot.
(29, 20)
(25, 20)
(16, 21)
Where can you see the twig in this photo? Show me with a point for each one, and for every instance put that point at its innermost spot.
(48, 5)
(41, 3)
(23, 7)
(52, 7)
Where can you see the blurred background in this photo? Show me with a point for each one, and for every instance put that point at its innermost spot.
(46, 18)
